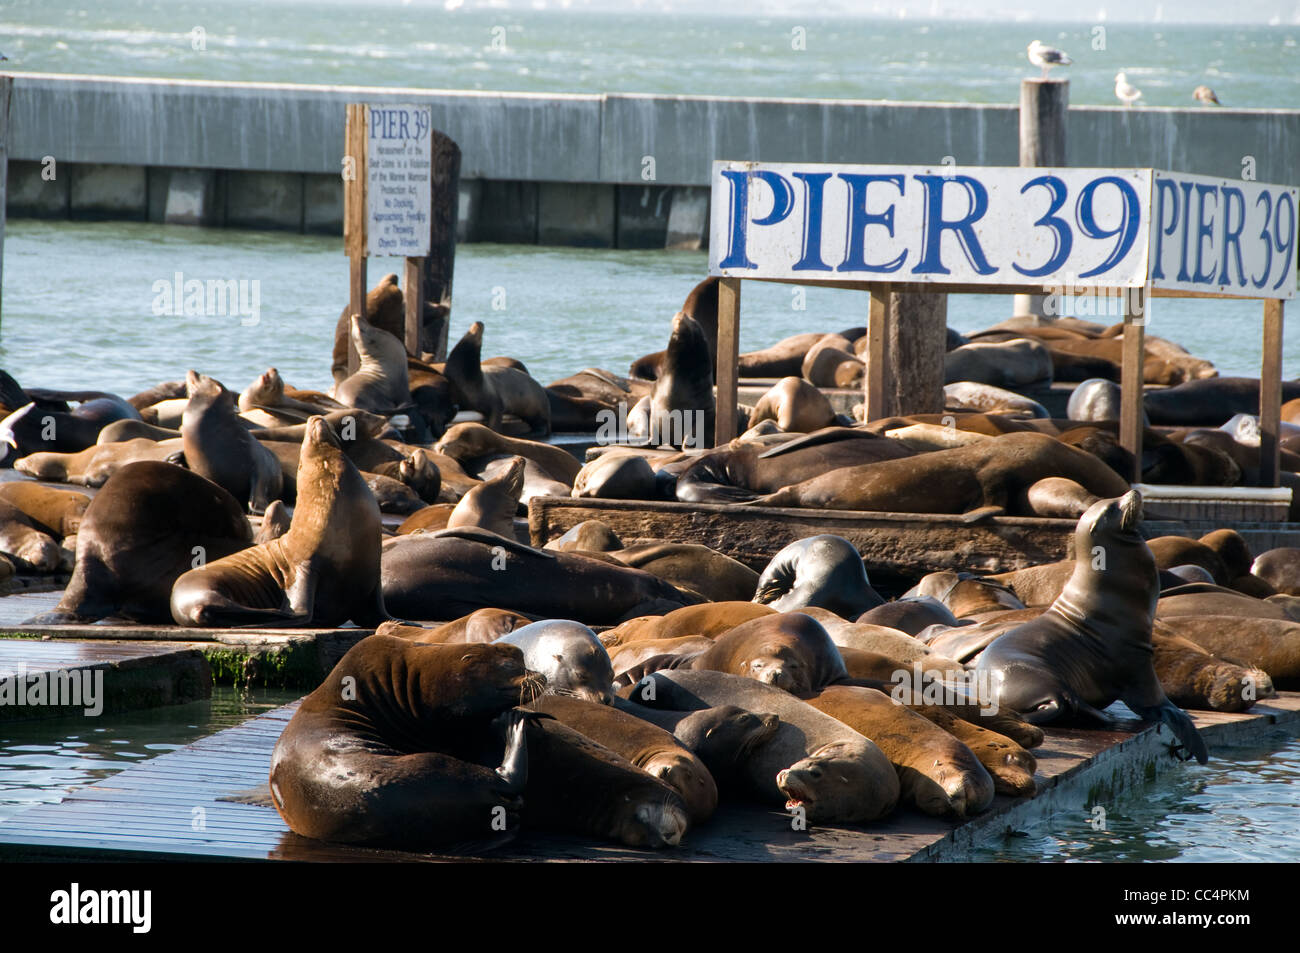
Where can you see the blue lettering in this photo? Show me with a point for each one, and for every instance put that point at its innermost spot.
(1187, 227)
(859, 218)
(1231, 236)
(813, 185)
(934, 225)
(1204, 230)
(782, 197)
(738, 212)
(1062, 237)
(1163, 186)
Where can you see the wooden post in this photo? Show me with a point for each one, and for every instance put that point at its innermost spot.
(440, 264)
(873, 379)
(915, 344)
(1131, 377)
(1044, 106)
(1270, 395)
(354, 216)
(413, 302)
(724, 426)
(6, 90)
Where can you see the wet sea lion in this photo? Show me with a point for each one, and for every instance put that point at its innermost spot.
(984, 477)
(323, 571)
(569, 655)
(937, 773)
(721, 737)
(1093, 644)
(823, 571)
(813, 761)
(652, 749)
(149, 524)
(217, 446)
(386, 750)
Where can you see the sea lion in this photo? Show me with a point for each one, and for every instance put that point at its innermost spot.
(470, 441)
(652, 749)
(470, 389)
(1280, 568)
(709, 620)
(782, 359)
(485, 625)
(450, 573)
(1014, 365)
(1093, 645)
(982, 478)
(95, 464)
(26, 543)
(56, 512)
(702, 305)
(714, 576)
(219, 447)
(588, 536)
(1057, 498)
(910, 614)
(1193, 678)
(633, 655)
(164, 391)
(830, 363)
(925, 437)
(795, 405)
(122, 430)
(149, 523)
(616, 476)
(323, 571)
(965, 594)
(681, 407)
(385, 309)
(937, 773)
(1269, 644)
(1210, 402)
(812, 761)
(385, 751)
(492, 505)
(275, 522)
(1007, 762)
(569, 655)
(521, 397)
(824, 571)
(987, 399)
(418, 471)
(789, 650)
(380, 383)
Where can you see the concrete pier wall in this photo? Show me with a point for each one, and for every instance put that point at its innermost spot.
(600, 171)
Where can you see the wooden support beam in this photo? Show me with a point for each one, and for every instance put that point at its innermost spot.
(873, 380)
(1270, 395)
(1131, 377)
(413, 301)
(354, 215)
(724, 427)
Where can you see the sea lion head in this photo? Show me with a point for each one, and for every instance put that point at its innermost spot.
(204, 391)
(686, 775)
(267, 390)
(571, 657)
(650, 821)
(376, 342)
(467, 440)
(723, 737)
(482, 678)
(829, 783)
(777, 663)
(421, 474)
(688, 349)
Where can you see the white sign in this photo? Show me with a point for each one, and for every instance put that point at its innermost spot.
(1223, 235)
(399, 164)
(1026, 227)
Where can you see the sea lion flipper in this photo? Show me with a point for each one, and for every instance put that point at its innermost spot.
(982, 513)
(1179, 723)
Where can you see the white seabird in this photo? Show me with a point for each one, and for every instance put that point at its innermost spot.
(1203, 94)
(1047, 57)
(1127, 94)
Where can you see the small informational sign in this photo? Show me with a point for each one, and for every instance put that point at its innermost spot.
(399, 164)
(1022, 227)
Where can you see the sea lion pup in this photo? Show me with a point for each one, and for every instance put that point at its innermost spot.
(492, 505)
(984, 478)
(795, 405)
(380, 384)
(450, 573)
(579, 786)
(569, 655)
(138, 535)
(709, 620)
(485, 625)
(384, 309)
(741, 472)
(219, 447)
(1193, 678)
(714, 576)
(681, 407)
(470, 442)
(812, 761)
(616, 476)
(56, 512)
(389, 750)
(1093, 644)
(937, 773)
(652, 749)
(323, 571)
(823, 571)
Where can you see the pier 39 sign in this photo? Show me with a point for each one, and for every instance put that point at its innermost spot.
(1030, 227)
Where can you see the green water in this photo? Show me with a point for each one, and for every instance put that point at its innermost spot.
(41, 760)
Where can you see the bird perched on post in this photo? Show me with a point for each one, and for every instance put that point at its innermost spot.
(1203, 94)
(1127, 94)
(1047, 57)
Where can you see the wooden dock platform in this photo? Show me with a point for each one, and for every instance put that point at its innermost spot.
(178, 807)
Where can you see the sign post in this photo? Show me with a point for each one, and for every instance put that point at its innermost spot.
(387, 202)
(1130, 233)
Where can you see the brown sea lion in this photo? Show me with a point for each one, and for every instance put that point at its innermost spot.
(652, 749)
(26, 543)
(937, 773)
(388, 750)
(94, 465)
(1007, 762)
(220, 448)
(709, 620)
(1013, 365)
(485, 625)
(702, 305)
(1193, 678)
(380, 384)
(56, 512)
(470, 441)
(149, 523)
(1269, 644)
(1280, 568)
(323, 571)
(492, 505)
(789, 650)
(588, 536)
(470, 389)
(680, 410)
(418, 471)
(795, 405)
(617, 475)
(823, 571)
(714, 576)
(384, 309)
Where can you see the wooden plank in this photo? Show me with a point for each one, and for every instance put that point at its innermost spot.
(1270, 395)
(873, 381)
(354, 214)
(439, 266)
(1133, 307)
(413, 303)
(724, 428)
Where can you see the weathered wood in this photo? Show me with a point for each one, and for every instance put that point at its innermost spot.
(354, 215)
(1044, 109)
(6, 92)
(915, 346)
(1270, 395)
(1131, 377)
(439, 265)
(413, 303)
(873, 378)
(724, 427)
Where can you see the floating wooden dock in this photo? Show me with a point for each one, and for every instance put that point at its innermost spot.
(193, 804)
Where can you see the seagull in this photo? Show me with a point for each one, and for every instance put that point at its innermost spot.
(1204, 94)
(1047, 57)
(1127, 94)
(7, 435)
